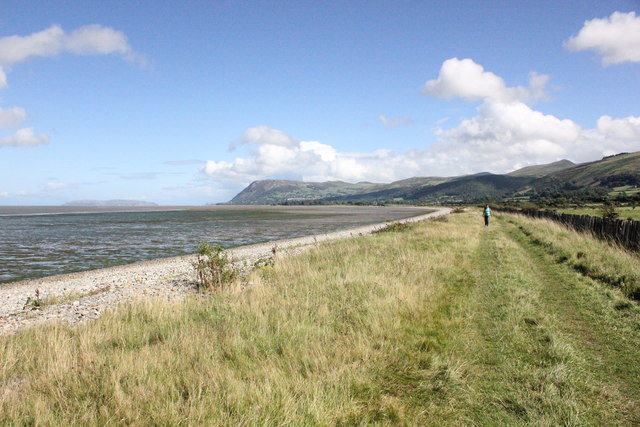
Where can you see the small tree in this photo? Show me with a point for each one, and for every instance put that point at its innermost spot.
(608, 211)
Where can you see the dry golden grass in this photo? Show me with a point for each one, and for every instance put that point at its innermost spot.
(443, 323)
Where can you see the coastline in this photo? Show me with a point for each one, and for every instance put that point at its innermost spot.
(85, 295)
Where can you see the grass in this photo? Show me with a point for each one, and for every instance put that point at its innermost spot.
(624, 212)
(441, 323)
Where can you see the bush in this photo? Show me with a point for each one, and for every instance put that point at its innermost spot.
(213, 268)
(608, 210)
(394, 227)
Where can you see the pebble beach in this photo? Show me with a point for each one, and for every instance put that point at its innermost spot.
(79, 297)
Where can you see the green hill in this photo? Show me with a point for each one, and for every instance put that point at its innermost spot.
(613, 171)
(543, 170)
(600, 178)
(281, 191)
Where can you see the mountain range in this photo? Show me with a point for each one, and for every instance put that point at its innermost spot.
(559, 179)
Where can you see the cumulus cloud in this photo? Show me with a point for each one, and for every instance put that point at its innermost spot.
(24, 138)
(616, 38)
(87, 40)
(10, 117)
(264, 135)
(465, 79)
(505, 134)
(55, 185)
(394, 122)
(276, 154)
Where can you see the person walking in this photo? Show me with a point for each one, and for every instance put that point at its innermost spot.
(486, 214)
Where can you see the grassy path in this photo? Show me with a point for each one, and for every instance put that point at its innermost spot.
(547, 351)
(445, 322)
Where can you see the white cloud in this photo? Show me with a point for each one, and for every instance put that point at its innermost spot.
(55, 185)
(627, 129)
(466, 79)
(502, 136)
(4, 194)
(264, 135)
(24, 138)
(611, 136)
(616, 38)
(3, 78)
(96, 39)
(87, 40)
(12, 116)
(395, 122)
(505, 134)
(279, 155)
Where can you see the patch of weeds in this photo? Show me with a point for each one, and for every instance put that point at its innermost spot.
(394, 227)
(264, 262)
(214, 270)
(265, 267)
(458, 210)
(35, 303)
(62, 299)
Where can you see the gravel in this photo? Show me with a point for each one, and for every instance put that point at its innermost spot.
(79, 297)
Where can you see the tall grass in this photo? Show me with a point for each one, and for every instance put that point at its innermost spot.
(399, 328)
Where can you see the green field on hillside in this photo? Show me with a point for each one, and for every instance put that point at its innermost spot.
(444, 322)
(624, 212)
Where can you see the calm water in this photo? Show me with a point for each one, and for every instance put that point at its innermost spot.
(42, 241)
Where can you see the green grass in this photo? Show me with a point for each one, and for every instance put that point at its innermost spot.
(624, 212)
(441, 323)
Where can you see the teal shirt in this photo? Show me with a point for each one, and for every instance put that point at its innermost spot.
(487, 212)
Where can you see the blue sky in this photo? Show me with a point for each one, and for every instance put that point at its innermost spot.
(188, 102)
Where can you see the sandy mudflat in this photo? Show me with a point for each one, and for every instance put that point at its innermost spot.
(86, 295)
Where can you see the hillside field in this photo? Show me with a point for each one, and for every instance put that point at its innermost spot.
(444, 322)
(595, 209)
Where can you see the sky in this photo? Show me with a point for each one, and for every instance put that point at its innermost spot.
(188, 102)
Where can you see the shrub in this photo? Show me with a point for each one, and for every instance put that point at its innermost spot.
(608, 210)
(35, 303)
(214, 270)
(394, 227)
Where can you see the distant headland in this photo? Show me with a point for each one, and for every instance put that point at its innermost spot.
(109, 203)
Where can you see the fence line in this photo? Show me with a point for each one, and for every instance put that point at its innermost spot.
(623, 232)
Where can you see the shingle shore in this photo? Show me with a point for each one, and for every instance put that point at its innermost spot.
(85, 295)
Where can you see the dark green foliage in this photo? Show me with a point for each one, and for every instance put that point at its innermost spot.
(608, 210)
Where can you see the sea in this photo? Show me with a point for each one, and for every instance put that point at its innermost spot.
(40, 241)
